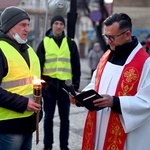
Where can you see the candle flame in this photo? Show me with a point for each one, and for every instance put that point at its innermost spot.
(37, 81)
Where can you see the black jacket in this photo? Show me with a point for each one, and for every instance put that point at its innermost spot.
(14, 101)
(75, 60)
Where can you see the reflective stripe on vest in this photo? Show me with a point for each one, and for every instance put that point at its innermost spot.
(20, 82)
(19, 77)
(57, 60)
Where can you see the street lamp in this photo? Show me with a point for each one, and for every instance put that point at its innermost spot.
(55, 7)
(109, 6)
(58, 7)
(108, 1)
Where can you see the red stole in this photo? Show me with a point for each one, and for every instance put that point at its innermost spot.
(127, 85)
(89, 129)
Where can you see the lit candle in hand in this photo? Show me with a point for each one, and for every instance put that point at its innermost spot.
(37, 90)
(37, 95)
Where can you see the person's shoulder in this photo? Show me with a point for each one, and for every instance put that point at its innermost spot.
(69, 39)
(102, 52)
(91, 52)
(71, 42)
(48, 37)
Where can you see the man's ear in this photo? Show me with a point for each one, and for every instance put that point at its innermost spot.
(128, 35)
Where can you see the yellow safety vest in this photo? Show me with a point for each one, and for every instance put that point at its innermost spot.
(57, 60)
(19, 77)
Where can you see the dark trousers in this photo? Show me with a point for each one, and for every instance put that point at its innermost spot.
(53, 96)
(16, 141)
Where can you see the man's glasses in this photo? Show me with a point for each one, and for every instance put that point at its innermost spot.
(113, 37)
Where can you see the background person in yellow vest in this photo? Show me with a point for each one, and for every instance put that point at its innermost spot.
(18, 64)
(122, 78)
(59, 61)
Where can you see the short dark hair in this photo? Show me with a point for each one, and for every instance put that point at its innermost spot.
(123, 19)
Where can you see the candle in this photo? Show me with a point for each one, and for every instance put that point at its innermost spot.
(37, 92)
(37, 95)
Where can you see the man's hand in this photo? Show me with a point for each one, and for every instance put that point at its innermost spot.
(72, 100)
(33, 106)
(106, 101)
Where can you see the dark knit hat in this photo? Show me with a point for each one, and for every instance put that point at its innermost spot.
(11, 16)
(57, 18)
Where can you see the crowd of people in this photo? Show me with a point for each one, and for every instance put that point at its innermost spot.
(120, 75)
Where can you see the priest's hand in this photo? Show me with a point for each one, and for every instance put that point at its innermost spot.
(106, 101)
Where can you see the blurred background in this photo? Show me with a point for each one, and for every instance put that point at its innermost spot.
(84, 18)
